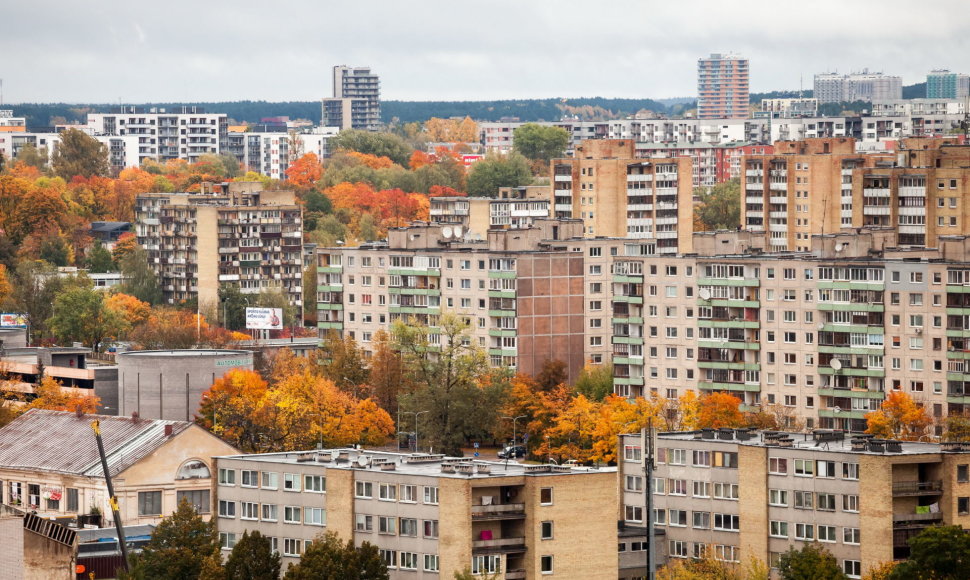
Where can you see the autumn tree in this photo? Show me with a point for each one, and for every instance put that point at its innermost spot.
(99, 259)
(138, 278)
(6, 290)
(387, 377)
(811, 562)
(451, 382)
(328, 557)
(496, 171)
(621, 415)
(78, 153)
(378, 144)
(719, 208)
(178, 548)
(303, 173)
(238, 409)
(595, 381)
(710, 568)
(35, 285)
(132, 310)
(50, 394)
(936, 553)
(899, 417)
(717, 410)
(553, 373)
(539, 142)
(80, 314)
(253, 558)
(343, 362)
(126, 244)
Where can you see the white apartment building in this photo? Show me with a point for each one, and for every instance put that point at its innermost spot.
(182, 133)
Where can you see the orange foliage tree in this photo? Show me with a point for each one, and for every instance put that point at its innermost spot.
(303, 173)
(716, 410)
(133, 310)
(51, 395)
(389, 207)
(370, 160)
(899, 417)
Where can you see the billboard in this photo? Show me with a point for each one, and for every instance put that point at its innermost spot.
(264, 318)
(13, 320)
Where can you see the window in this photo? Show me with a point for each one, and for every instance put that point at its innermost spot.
(248, 510)
(852, 568)
(963, 475)
(408, 527)
(227, 476)
(409, 561)
(314, 483)
(149, 503)
(291, 514)
(270, 512)
(389, 557)
(632, 453)
(725, 459)
(727, 522)
(365, 489)
(633, 513)
(702, 489)
(291, 481)
(430, 562)
(850, 471)
(778, 497)
(826, 533)
(227, 540)
(850, 503)
(271, 480)
(804, 532)
(963, 506)
(825, 502)
(486, 564)
(546, 528)
(677, 518)
(633, 483)
(778, 529)
(851, 536)
(546, 564)
(679, 487)
(227, 509)
(409, 493)
(292, 547)
(249, 478)
(430, 528)
(678, 549)
(72, 500)
(387, 525)
(678, 456)
(314, 516)
(702, 520)
(804, 468)
(430, 495)
(701, 458)
(778, 465)
(825, 469)
(364, 523)
(545, 496)
(388, 492)
(725, 490)
(804, 500)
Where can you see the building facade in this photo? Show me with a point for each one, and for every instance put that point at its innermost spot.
(735, 494)
(722, 87)
(235, 234)
(861, 86)
(430, 516)
(182, 133)
(356, 101)
(943, 84)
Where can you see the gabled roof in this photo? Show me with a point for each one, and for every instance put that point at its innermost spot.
(62, 442)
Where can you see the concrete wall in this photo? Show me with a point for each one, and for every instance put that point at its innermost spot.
(169, 384)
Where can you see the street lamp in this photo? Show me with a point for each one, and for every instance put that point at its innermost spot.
(416, 415)
(514, 420)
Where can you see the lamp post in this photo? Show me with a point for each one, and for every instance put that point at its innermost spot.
(416, 415)
(514, 420)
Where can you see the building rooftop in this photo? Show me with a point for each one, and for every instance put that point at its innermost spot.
(431, 465)
(831, 440)
(199, 352)
(63, 442)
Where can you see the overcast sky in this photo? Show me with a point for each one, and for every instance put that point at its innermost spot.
(209, 50)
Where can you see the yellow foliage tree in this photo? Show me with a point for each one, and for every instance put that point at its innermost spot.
(51, 395)
(899, 417)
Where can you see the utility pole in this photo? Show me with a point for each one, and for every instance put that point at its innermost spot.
(112, 499)
(646, 437)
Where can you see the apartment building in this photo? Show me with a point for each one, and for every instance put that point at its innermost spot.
(181, 133)
(919, 191)
(429, 515)
(356, 101)
(735, 494)
(800, 107)
(514, 208)
(529, 295)
(722, 87)
(617, 195)
(857, 86)
(233, 233)
(710, 163)
(943, 84)
(11, 124)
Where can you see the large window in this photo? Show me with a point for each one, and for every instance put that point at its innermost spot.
(314, 516)
(199, 498)
(149, 503)
(487, 564)
(315, 483)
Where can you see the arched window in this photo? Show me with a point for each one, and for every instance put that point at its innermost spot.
(193, 469)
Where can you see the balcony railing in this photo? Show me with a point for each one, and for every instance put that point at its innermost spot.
(917, 487)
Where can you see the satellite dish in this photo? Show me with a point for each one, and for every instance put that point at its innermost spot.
(821, 326)
(704, 293)
(458, 232)
(836, 364)
(839, 247)
(837, 409)
(446, 232)
(363, 461)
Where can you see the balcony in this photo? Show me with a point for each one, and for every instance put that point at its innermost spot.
(505, 511)
(912, 488)
(901, 520)
(499, 546)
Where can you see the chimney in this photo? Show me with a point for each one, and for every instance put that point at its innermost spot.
(168, 430)
(134, 416)
(78, 412)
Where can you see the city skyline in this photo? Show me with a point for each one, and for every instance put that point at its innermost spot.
(124, 53)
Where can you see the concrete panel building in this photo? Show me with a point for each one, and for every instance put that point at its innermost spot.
(722, 87)
(168, 384)
(181, 133)
(429, 515)
(860, 86)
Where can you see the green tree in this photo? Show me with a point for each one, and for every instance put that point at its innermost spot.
(99, 259)
(233, 307)
(80, 314)
(450, 382)
(253, 558)
(35, 285)
(178, 548)
(275, 297)
(230, 165)
(811, 562)
(539, 142)
(595, 382)
(310, 295)
(79, 154)
(328, 557)
(936, 553)
(54, 250)
(139, 280)
(30, 155)
(719, 209)
(316, 202)
(343, 362)
(496, 171)
(380, 144)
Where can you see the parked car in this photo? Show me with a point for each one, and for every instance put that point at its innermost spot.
(512, 452)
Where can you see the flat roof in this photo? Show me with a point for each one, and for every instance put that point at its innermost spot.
(187, 352)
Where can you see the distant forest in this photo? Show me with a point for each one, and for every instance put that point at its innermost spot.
(42, 115)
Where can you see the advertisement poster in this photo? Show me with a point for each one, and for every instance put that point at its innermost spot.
(12, 320)
(264, 318)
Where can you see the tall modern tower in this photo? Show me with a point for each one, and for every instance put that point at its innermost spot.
(356, 101)
(943, 84)
(722, 87)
